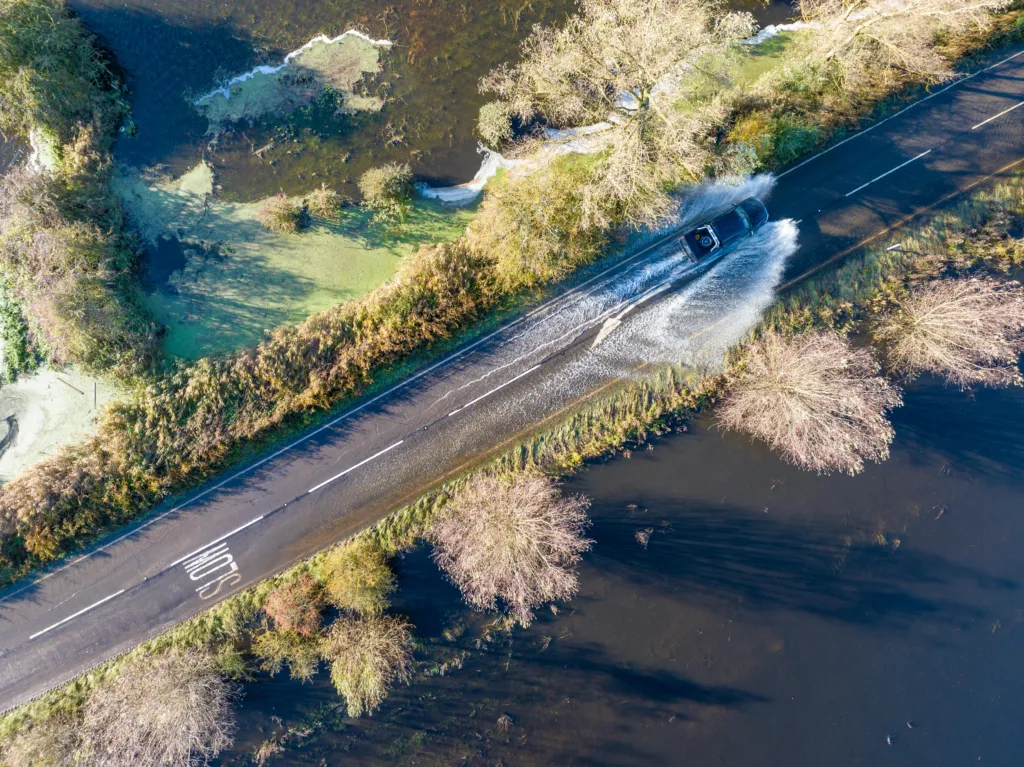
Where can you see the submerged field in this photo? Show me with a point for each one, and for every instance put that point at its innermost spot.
(217, 278)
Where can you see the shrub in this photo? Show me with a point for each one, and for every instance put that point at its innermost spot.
(368, 655)
(51, 742)
(358, 577)
(168, 710)
(387, 191)
(279, 214)
(51, 73)
(517, 540)
(967, 331)
(494, 125)
(541, 226)
(814, 398)
(323, 202)
(277, 649)
(296, 604)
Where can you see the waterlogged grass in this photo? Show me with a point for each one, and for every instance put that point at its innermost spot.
(236, 279)
(756, 60)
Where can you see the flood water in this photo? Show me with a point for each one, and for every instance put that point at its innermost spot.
(775, 618)
(174, 50)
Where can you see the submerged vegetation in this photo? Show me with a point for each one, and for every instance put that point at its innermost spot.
(814, 398)
(517, 540)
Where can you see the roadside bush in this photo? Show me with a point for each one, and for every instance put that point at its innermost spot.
(494, 125)
(814, 398)
(276, 649)
(296, 605)
(358, 577)
(776, 140)
(368, 656)
(969, 331)
(539, 227)
(170, 710)
(388, 191)
(279, 214)
(52, 742)
(324, 203)
(52, 76)
(516, 539)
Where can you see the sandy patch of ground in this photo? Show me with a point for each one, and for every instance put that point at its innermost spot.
(42, 411)
(234, 279)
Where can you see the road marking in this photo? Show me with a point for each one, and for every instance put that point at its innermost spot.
(496, 388)
(993, 117)
(1009, 58)
(204, 565)
(961, 81)
(349, 413)
(876, 178)
(75, 615)
(224, 537)
(353, 468)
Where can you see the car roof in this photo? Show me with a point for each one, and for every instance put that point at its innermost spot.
(755, 210)
(730, 225)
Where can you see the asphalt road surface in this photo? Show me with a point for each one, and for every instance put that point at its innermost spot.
(350, 472)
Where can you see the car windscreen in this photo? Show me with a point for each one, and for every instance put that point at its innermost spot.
(756, 212)
(729, 226)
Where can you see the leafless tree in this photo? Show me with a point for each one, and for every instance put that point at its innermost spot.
(166, 711)
(875, 39)
(632, 63)
(966, 330)
(515, 540)
(815, 399)
(368, 655)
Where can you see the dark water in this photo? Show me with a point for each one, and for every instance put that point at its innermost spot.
(172, 50)
(776, 618)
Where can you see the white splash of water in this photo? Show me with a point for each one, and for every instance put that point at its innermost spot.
(696, 325)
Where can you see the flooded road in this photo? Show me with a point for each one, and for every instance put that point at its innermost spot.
(774, 618)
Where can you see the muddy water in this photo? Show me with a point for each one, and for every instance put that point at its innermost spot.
(173, 50)
(774, 618)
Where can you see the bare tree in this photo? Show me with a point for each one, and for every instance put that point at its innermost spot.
(815, 399)
(632, 63)
(368, 655)
(875, 39)
(967, 330)
(517, 541)
(170, 710)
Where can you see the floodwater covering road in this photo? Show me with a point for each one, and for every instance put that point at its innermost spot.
(353, 470)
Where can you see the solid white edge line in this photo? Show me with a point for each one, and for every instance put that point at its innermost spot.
(215, 542)
(75, 615)
(894, 116)
(496, 388)
(353, 468)
(397, 387)
(876, 178)
(1009, 58)
(994, 117)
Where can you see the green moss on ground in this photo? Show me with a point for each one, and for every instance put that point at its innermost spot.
(238, 279)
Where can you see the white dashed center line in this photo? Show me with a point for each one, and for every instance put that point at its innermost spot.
(353, 468)
(492, 391)
(72, 617)
(993, 117)
(877, 178)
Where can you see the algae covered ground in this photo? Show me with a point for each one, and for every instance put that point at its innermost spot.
(217, 279)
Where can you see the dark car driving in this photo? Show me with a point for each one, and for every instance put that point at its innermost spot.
(719, 235)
